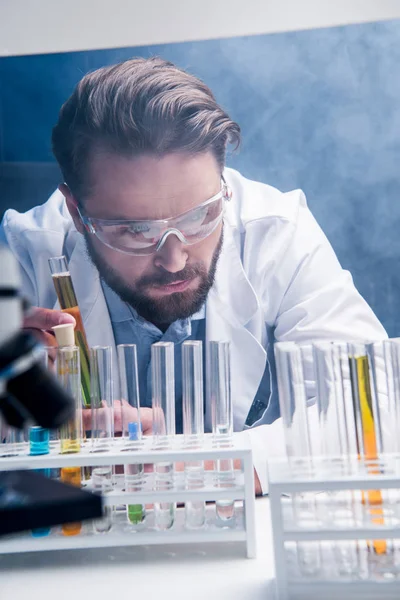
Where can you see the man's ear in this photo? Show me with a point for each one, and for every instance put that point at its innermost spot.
(72, 206)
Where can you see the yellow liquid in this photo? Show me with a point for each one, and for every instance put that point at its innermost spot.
(71, 475)
(70, 446)
(69, 304)
(374, 497)
(70, 432)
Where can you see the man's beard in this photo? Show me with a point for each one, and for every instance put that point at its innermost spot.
(170, 307)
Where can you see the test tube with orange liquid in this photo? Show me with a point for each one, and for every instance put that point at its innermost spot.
(68, 374)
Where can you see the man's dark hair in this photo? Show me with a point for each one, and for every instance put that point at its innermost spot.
(141, 106)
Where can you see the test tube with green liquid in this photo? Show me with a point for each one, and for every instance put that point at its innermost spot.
(130, 426)
(134, 474)
(68, 303)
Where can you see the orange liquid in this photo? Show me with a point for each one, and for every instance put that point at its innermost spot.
(72, 476)
(81, 342)
(370, 446)
(76, 313)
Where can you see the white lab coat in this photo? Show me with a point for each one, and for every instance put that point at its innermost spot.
(276, 268)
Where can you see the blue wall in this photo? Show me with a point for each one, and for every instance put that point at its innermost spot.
(319, 110)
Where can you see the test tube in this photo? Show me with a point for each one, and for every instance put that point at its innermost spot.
(52, 366)
(222, 422)
(13, 441)
(129, 393)
(134, 474)
(335, 448)
(383, 363)
(102, 433)
(163, 404)
(384, 391)
(101, 398)
(72, 476)
(102, 484)
(349, 435)
(327, 401)
(193, 426)
(39, 444)
(293, 409)
(131, 429)
(39, 441)
(389, 395)
(391, 424)
(68, 303)
(369, 438)
(68, 374)
(292, 400)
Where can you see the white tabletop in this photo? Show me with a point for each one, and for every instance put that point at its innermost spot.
(180, 572)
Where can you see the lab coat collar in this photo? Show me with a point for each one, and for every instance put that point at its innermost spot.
(233, 314)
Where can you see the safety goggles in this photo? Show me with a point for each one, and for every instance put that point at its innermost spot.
(142, 238)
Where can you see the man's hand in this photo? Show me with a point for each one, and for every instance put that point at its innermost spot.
(40, 321)
(124, 413)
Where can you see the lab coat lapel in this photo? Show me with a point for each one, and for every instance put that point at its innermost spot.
(233, 314)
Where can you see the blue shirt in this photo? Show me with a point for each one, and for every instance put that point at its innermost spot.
(130, 328)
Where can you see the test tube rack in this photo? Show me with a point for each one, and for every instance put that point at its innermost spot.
(241, 491)
(328, 481)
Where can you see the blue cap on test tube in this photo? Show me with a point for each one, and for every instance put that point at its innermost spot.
(134, 430)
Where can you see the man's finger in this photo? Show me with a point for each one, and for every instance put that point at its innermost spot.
(146, 417)
(44, 337)
(45, 318)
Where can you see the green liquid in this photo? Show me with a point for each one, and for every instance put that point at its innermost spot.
(136, 513)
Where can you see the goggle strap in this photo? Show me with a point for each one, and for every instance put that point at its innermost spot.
(86, 222)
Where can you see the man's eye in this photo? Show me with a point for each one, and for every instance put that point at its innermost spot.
(138, 228)
(133, 230)
(197, 215)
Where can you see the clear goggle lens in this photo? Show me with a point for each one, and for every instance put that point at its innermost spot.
(143, 237)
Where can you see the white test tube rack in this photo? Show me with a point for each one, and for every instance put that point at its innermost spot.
(241, 530)
(326, 477)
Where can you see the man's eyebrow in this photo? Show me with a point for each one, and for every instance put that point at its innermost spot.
(120, 218)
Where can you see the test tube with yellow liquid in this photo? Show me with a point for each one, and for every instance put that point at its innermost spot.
(68, 303)
(68, 374)
(367, 423)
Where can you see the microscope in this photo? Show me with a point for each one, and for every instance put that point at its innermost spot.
(29, 393)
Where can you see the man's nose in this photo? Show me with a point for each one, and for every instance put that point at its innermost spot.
(172, 255)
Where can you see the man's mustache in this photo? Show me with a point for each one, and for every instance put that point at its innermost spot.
(166, 278)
